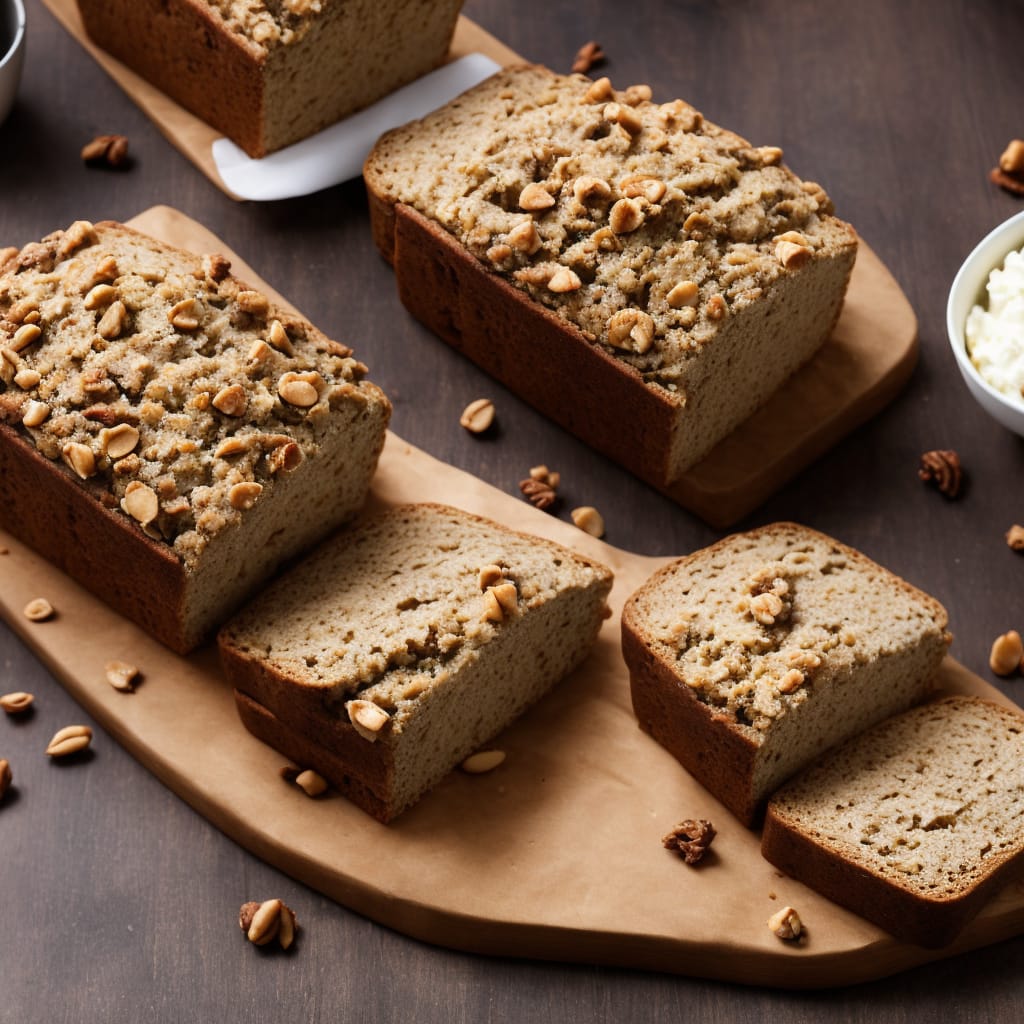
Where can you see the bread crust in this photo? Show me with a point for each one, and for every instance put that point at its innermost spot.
(929, 922)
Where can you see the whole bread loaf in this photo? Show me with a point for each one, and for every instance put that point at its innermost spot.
(268, 73)
(168, 436)
(640, 275)
(914, 823)
(751, 657)
(397, 649)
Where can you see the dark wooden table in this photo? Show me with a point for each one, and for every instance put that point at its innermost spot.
(118, 902)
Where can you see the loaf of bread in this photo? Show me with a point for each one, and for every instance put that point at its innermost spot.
(749, 658)
(395, 651)
(640, 275)
(268, 73)
(913, 824)
(168, 435)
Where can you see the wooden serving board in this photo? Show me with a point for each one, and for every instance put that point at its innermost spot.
(555, 855)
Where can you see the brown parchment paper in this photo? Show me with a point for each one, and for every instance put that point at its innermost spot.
(556, 854)
(194, 137)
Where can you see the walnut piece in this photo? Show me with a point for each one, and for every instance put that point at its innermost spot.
(690, 839)
(106, 151)
(942, 467)
(786, 924)
(540, 487)
(588, 55)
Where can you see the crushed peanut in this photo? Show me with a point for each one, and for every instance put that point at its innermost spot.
(16, 703)
(122, 676)
(478, 416)
(38, 610)
(786, 924)
(72, 739)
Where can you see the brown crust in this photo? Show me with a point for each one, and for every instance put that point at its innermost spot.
(306, 753)
(931, 923)
(183, 48)
(543, 358)
(56, 515)
(708, 743)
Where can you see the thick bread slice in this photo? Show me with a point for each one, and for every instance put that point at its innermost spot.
(640, 275)
(914, 823)
(749, 658)
(441, 625)
(168, 436)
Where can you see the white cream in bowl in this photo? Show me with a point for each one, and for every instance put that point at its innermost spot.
(995, 336)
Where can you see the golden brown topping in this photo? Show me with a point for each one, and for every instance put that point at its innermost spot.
(637, 94)
(300, 389)
(278, 337)
(186, 315)
(120, 440)
(500, 601)
(564, 280)
(101, 295)
(216, 267)
(716, 307)
(625, 216)
(499, 253)
(72, 739)
(283, 458)
(367, 718)
(106, 151)
(243, 496)
(791, 254)
(791, 681)
(259, 352)
(631, 329)
(786, 924)
(587, 56)
(683, 294)
(80, 458)
(27, 379)
(769, 155)
(535, 197)
(25, 336)
(600, 91)
(232, 400)
(525, 237)
(588, 187)
(690, 839)
(121, 675)
(483, 761)
(624, 116)
(489, 575)
(477, 416)
(589, 520)
(140, 502)
(636, 186)
(38, 610)
(252, 302)
(1007, 652)
(16, 703)
(942, 467)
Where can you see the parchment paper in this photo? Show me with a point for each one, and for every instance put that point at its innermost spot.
(556, 854)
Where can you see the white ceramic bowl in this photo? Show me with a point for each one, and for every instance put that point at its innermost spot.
(968, 290)
(12, 52)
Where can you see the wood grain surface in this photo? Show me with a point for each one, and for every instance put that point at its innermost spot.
(119, 902)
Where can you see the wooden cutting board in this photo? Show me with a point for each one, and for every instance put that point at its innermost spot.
(554, 855)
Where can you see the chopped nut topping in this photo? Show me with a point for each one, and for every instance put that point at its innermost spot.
(489, 575)
(140, 502)
(623, 115)
(499, 253)
(500, 602)
(299, 389)
(588, 187)
(27, 379)
(786, 924)
(587, 56)
(1007, 652)
(101, 295)
(232, 400)
(683, 294)
(535, 197)
(791, 255)
(564, 280)
(716, 307)
(589, 520)
(600, 91)
(106, 151)
(16, 703)
(625, 216)
(631, 329)
(217, 267)
(259, 352)
(185, 315)
(367, 718)
(24, 336)
(243, 496)
(231, 446)
(525, 237)
(1015, 537)
(278, 337)
(121, 675)
(483, 761)
(120, 440)
(791, 681)
(765, 608)
(38, 610)
(72, 739)
(943, 468)
(690, 839)
(636, 186)
(477, 416)
(285, 457)
(637, 94)
(35, 414)
(79, 457)
(770, 155)
(254, 303)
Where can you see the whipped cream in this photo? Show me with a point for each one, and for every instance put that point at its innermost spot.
(995, 336)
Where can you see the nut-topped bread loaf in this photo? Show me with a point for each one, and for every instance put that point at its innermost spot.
(398, 648)
(914, 823)
(642, 276)
(749, 658)
(168, 435)
(268, 73)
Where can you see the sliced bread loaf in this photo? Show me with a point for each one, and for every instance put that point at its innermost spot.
(398, 649)
(914, 823)
(749, 658)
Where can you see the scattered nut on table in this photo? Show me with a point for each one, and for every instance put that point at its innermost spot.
(122, 676)
(483, 761)
(39, 610)
(310, 782)
(589, 520)
(942, 467)
(72, 739)
(540, 488)
(1006, 654)
(786, 924)
(589, 55)
(5, 776)
(690, 839)
(478, 416)
(17, 702)
(1015, 537)
(106, 151)
(266, 921)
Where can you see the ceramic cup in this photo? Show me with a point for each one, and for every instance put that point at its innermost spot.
(12, 52)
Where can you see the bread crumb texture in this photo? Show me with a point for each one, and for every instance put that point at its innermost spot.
(171, 390)
(390, 611)
(774, 614)
(930, 801)
(641, 223)
(268, 22)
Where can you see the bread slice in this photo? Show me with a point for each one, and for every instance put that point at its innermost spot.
(914, 823)
(640, 275)
(168, 436)
(403, 646)
(751, 657)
